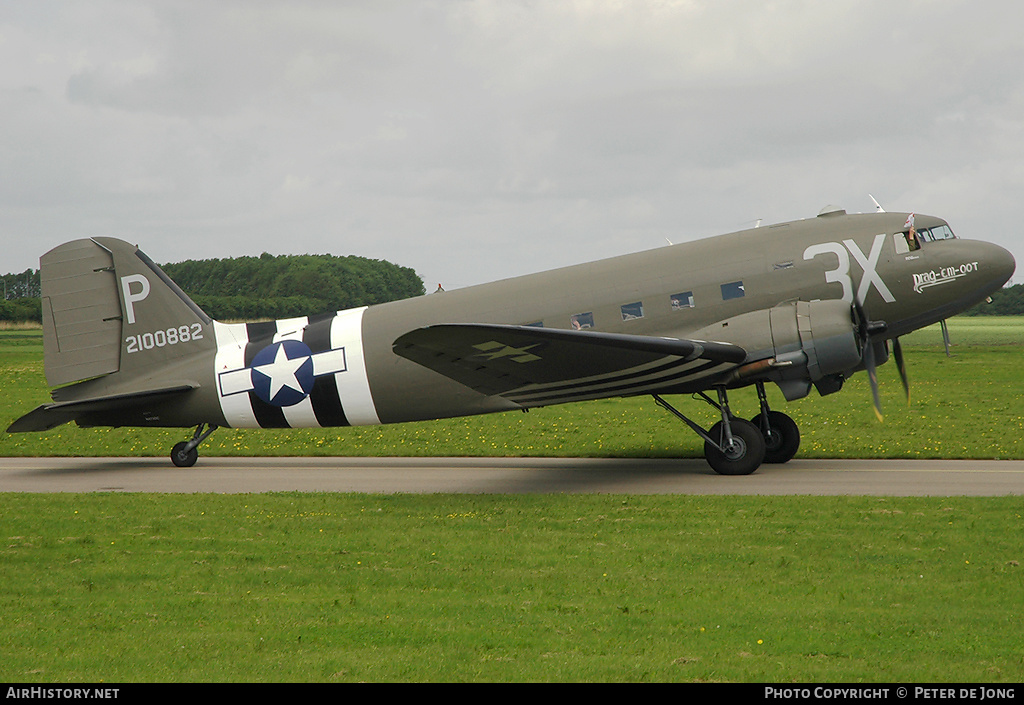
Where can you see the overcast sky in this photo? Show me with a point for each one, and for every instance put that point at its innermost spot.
(475, 140)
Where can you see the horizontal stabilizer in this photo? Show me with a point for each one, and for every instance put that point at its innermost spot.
(48, 416)
(535, 366)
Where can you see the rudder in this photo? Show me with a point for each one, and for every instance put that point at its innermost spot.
(108, 308)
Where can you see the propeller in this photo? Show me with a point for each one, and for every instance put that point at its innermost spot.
(865, 329)
(869, 365)
(897, 353)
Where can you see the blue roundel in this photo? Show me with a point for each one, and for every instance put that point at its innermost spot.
(282, 373)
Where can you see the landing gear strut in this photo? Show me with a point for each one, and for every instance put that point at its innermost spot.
(185, 454)
(732, 446)
(781, 435)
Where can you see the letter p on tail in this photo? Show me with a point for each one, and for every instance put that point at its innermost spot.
(131, 297)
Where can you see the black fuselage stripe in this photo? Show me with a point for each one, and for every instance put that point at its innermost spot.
(259, 335)
(327, 404)
(267, 415)
(317, 336)
(326, 400)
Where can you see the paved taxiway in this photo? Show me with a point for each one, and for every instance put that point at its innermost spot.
(512, 476)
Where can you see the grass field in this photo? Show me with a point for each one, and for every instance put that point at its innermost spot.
(342, 588)
(598, 588)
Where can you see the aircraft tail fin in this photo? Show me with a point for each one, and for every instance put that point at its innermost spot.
(108, 308)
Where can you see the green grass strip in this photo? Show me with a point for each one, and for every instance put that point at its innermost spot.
(338, 588)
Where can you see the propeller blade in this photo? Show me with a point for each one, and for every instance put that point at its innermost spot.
(869, 365)
(945, 336)
(897, 353)
(864, 330)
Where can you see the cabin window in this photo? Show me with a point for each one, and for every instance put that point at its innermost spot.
(905, 242)
(582, 321)
(681, 301)
(733, 290)
(632, 311)
(899, 242)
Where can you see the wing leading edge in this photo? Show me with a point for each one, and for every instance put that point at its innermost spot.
(538, 366)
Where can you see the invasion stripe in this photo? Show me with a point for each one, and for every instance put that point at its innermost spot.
(327, 403)
(353, 385)
(340, 395)
(260, 335)
(301, 415)
(648, 369)
(326, 400)
(636, 385)
(671, 371)
(267, 415)
(231, 343)
(630, 391)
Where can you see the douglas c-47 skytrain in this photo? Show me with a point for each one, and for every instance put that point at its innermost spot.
(804, 305)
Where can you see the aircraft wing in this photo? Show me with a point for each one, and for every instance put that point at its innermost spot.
(535, 366)
(48, 416)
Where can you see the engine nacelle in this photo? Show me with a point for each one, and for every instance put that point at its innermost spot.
(795, 345)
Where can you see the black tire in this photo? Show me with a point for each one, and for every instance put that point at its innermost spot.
(183, 458)
(747, 452)
(783, 439)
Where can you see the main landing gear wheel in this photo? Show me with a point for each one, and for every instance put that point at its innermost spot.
(782, 438)
(183, 456)
(743, 455)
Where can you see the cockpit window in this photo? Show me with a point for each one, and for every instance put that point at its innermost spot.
(942, 232)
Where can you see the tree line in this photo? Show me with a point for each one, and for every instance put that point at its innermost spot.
(250, 288)
(1008, 301)
(21, 297)
(282, 286)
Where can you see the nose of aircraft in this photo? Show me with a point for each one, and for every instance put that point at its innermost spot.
(997, 262)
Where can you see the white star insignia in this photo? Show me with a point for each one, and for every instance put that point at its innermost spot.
(281, 372)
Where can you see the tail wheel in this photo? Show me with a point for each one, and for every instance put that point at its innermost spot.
(782, 440)
(184, 458)
(743, 456)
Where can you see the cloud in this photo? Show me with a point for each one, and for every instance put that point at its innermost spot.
(475, 140)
